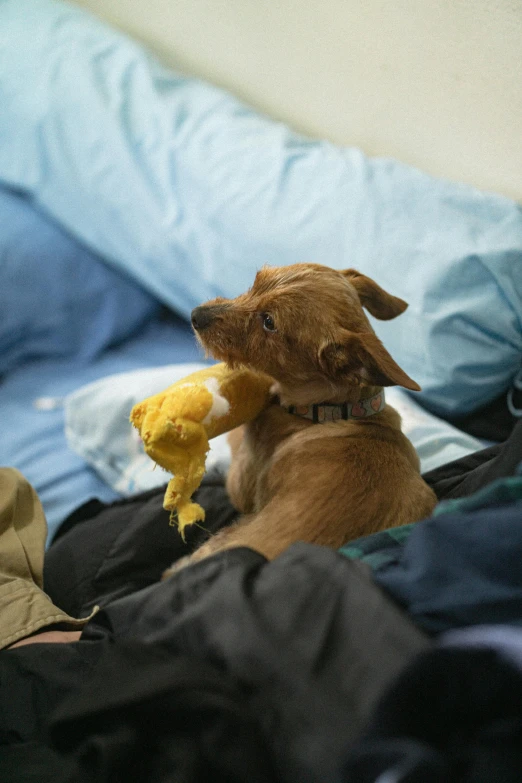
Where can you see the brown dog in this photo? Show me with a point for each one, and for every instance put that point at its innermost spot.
(293, 479)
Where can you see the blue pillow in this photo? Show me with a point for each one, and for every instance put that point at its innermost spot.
(190, 192)
(57, 299)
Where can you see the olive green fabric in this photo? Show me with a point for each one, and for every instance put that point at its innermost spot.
(24, 607)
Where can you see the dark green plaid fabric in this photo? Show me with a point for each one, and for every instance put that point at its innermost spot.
(380, 548)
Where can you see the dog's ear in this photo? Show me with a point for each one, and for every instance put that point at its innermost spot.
(375, 299)
(363, 355)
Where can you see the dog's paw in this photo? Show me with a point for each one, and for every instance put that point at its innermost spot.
(275, 389)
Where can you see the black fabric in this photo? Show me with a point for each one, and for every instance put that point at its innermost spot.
(453, 716)
(465, 476)
(126, 546)
(35, 762)
(34, 679)
(180, 720)
(87, 510)
(281, 628)
(493, 421)
(281, 663)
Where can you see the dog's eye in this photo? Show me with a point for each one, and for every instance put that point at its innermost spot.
(268, 323)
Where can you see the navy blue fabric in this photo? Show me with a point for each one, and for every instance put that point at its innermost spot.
(460, 569)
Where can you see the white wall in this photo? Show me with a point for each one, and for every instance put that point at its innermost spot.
(436, 83)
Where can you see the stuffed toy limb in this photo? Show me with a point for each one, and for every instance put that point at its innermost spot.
(177, 424)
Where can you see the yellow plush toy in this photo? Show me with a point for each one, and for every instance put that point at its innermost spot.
(177, 424)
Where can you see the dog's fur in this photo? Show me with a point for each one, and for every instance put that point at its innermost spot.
(294, 480)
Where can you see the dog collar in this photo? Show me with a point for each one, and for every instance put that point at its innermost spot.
(323, 412)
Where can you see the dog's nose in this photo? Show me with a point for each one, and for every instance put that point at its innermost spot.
(201, 317)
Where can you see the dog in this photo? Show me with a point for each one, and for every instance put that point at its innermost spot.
(326, 462)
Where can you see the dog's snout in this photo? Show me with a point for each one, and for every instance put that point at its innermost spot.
(201, 318)
(204, 315)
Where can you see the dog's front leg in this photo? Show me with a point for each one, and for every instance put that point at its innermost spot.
(252, 447)
(241, 477)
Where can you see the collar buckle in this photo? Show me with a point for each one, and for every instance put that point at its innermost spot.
(323, 412)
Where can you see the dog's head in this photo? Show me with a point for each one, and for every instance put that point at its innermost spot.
(304, 325)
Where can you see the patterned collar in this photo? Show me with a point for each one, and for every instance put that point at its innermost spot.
(324, 411)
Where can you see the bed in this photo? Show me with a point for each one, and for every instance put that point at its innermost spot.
(131, 191)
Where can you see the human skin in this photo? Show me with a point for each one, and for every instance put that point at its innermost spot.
(48, 637)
